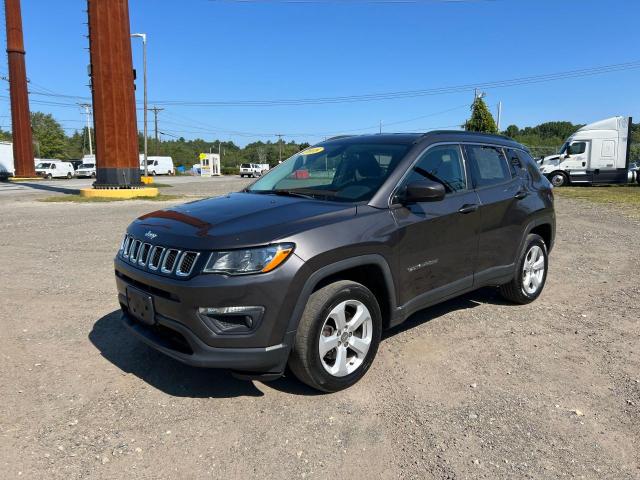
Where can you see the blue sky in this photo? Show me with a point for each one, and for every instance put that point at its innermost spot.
(202, 50)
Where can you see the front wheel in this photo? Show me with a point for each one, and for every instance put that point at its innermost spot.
(559, 179)
(338, 337)
(531, 275)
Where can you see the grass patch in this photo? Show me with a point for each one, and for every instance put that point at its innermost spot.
(627, 195)
(80, 199)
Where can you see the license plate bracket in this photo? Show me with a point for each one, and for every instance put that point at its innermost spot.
(141, 306)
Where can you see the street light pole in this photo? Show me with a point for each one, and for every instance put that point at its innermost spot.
(143, 36)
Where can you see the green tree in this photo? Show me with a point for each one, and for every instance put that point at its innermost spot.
(49, 137)
(512, 131)
(5, 136)
(481, 119)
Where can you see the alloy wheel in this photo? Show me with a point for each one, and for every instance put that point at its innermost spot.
(345, 338)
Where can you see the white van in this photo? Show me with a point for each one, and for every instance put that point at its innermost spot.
(596, 154)
(86, 169)
(54, 169)
(158, 165)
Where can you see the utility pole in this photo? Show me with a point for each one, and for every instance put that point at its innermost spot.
(143, 36)
(499, 114)
(87, 110)
(20, 115)
(279, 135)
(112, 88)
(156, 111)
(380, 126)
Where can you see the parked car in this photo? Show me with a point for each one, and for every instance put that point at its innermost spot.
(54, 169)
(158, 165)
(253, 169)
(307, 270)
(86, 170)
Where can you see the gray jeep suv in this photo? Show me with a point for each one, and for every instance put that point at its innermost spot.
(307, 265)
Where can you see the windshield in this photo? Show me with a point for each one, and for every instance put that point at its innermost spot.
(245, 165)
(87, 165)
(43, 166)
(339, 171)
(564, 147)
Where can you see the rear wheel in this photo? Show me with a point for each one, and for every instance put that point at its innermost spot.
(49, 176)
(69, 175)
(559, 179)
(338, 337)
(531, 275)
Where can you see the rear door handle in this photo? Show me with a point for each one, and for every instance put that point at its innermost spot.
(469, 208)
(521, 194)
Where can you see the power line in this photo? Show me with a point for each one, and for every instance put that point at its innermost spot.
(403, 94)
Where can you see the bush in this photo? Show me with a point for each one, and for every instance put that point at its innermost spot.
(230, 171)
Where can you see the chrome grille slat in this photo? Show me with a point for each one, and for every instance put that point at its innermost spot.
(156, 258)
(135, 249)
(186, 263)
(169, 261)
(144, 254)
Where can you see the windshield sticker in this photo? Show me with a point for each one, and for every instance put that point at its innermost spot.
(312, 151)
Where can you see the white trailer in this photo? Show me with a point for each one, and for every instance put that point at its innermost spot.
(598, 153)
(7, 167)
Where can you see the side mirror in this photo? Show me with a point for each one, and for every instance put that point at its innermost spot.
(423, 191)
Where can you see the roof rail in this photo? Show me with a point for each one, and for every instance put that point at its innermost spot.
(466, 132)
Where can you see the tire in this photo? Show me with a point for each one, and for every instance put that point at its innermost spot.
(153, 173)
(324, 305)
(69, 176)
(529, 282)
(93, 175)
(49, 176)
(559, 179)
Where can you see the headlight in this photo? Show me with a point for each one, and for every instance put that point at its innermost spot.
(252, 260)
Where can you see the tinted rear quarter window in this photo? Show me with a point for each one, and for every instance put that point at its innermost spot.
(530, 165)
(488, 164)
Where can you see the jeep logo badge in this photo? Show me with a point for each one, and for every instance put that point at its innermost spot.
(150, 235)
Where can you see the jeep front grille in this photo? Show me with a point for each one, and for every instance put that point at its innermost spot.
(158, 259)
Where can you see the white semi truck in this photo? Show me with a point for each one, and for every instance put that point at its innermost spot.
(598, 153)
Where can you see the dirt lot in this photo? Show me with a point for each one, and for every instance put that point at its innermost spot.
(474, 388)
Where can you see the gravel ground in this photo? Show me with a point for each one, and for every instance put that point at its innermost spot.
(473, 388)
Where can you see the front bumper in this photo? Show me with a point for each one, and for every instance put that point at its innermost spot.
(187, 348)
(182, 333)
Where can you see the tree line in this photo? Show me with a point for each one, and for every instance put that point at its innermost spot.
(51, 141)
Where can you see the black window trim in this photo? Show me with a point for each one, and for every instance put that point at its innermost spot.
(394, 192)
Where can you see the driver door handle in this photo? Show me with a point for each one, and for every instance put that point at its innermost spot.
(469, 208)
(521, 194)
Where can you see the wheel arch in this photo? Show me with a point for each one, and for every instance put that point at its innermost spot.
(372, 271)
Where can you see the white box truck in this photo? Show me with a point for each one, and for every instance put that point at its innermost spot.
(598, 153)
(7, 167)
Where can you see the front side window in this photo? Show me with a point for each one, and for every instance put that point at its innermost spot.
(577, 148)
(343, 171)
(442, 164)
(488, 164)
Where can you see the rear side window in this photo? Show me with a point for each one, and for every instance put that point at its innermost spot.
(530, 165)
(488, 164)
(515, 164)
(442, 164)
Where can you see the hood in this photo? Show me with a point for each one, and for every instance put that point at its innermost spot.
(235, 221)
